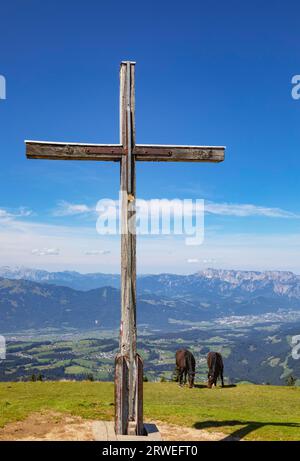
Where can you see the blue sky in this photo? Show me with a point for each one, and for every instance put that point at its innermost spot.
(215, 73)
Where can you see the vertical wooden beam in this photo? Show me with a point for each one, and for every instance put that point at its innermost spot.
(128, 403)
(128, 238)
(121, 407)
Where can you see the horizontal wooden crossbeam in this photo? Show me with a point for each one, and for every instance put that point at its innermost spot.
(73, 151)
(114, 152)
(163, 153)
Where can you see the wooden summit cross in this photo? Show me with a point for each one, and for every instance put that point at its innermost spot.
(128, 364)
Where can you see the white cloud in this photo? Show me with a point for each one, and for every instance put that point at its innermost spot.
(96, 252)
(243, 210)
(45, 251)
(191, 206)
(25, 242)
(231, 250)
(177, 207)
(209, 261)
(18, 236)
(4, 213)
(21, 212)
(70, 209)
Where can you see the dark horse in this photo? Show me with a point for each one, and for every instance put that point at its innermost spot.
(185, 365)
(215, 368)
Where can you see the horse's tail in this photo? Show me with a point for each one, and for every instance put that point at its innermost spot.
(213, 364)
(190, 364)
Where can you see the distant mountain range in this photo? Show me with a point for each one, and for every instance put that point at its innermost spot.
(35, 299)
(29, 305)
(225, 283)
(222, 282)
(69, 279)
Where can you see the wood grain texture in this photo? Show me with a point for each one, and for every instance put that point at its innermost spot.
(128, 330)
(65, 151)
(139, 395)
(161, 153)
(128, 267)
(123, 129)
(114, 152)
(121, 398)
(128, 237)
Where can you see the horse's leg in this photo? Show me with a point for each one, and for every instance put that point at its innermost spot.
(185, 373)
(222, 378)
(180, 377)
(183, 378)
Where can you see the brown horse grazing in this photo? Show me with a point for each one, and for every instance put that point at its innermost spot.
(185, 365)
(215, 368)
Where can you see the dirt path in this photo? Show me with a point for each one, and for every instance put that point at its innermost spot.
(48, 425)
(179, 433)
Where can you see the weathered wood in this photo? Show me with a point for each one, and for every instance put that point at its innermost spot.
(128, 331)
(161, 153)
(139, 396)
(123, 128)
(108, 152)
(73, 151)
(121, 394)
(128, 263)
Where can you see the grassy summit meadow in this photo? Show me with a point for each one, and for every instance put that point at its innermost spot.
(245, 411)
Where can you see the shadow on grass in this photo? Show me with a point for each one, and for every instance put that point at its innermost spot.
(204, 386)
(240, 433)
